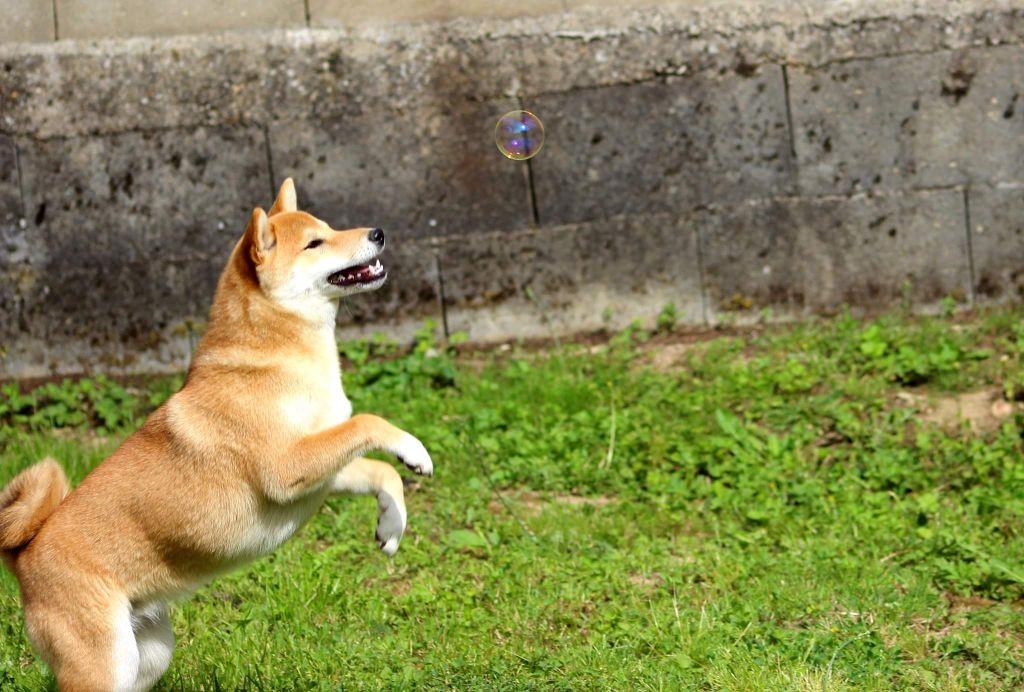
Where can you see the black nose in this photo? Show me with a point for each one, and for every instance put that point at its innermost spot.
(377, 237)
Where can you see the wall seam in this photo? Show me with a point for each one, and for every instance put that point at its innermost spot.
(531, 190)
(442, 300)
(305, 4)
(658, 75)
(789, 116)
(705, 317)
(667, 215)
(972, 296)
(56, 24)
(101, 134)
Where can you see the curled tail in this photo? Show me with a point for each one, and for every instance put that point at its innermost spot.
(28, 501)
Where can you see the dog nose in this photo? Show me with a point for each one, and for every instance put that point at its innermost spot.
(377, 237)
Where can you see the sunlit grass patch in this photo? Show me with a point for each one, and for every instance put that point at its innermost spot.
(773, 509)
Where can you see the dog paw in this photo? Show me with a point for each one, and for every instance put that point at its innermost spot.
(413, 454)
(391, 519)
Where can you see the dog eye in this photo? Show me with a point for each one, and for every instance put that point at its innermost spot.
(316, 242)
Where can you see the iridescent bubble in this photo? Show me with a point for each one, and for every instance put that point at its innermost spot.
(519, 135)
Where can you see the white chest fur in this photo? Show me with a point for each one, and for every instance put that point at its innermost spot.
(321, 406)
(315, 410)
(315, 401)
(274, 524)
(316, 404)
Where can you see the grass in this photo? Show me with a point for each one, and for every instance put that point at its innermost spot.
(773, 509)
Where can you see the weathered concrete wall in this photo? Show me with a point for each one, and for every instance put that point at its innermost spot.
(800, 157)
(49, 20)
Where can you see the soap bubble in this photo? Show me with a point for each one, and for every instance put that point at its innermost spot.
(519, 135)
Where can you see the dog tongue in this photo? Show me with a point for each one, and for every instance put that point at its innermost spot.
(361, 273)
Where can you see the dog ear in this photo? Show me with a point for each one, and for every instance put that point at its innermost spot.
(285, 198)
(261, 236)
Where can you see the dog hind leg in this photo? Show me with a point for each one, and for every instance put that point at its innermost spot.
(88, 650)
(155, 640)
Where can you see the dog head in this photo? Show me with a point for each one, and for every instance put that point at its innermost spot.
(300, 259)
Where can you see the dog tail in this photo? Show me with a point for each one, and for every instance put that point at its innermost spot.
(28, 501)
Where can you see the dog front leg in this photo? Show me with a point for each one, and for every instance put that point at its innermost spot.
(308, 463)
(363, 476)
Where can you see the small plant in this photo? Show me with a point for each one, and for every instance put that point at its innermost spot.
(97, 402)
(667, 318)
(738, 302)
(1013, 386)
(949, 304)
(907, 297)
(914, 361)
(632, 334)
(377, 363)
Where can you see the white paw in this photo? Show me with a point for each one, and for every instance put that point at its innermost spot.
(413, 454)
(391, 520)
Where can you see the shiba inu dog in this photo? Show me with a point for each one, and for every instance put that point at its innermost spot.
(225, 471)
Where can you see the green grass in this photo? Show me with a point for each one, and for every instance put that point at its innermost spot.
(765, 513)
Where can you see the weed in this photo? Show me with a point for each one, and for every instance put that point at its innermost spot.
(667, 318)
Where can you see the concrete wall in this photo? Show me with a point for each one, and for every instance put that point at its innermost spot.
(798, 157)
(50, 20)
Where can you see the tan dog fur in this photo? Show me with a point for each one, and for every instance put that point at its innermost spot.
(221, 474)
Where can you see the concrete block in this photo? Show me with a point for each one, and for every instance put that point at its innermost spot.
(70, 88)
(185, 81)
(352, 13)
(433, 171)
(592, 47)
(570, 278)
(138, 85)
(941, 119)
(659, 147)
(127, 233)
(821, 254)
(27, 21)
(89, 19)
(997, 241)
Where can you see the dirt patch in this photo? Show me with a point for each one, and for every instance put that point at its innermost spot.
(399, 587)
(232, 599)
(668, 358)
(647, 581)
(957, 602)
(534, 503)
(983, 410)
(87, 437)
(526, 500)
(598, 501)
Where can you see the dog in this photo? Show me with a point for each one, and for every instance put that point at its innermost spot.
(224, 472)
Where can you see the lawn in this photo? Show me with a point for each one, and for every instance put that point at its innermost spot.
(826, 506)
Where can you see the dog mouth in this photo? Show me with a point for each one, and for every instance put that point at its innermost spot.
(359, 275)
